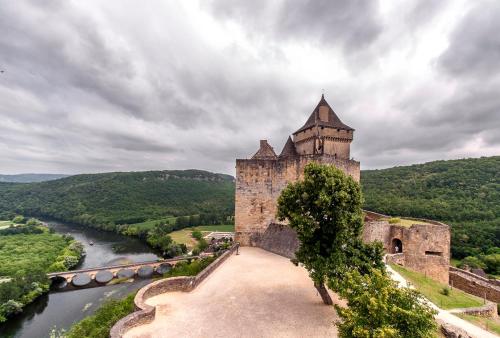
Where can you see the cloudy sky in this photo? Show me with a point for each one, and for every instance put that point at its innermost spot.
(92, 86)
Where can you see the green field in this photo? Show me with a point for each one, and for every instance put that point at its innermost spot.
(148, 225)
(6, 224)
(183, 236)
(432, 290)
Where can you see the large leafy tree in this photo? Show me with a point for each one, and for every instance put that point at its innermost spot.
(325, 210)
(377, 308)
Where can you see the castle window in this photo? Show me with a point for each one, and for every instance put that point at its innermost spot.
(397, 246)
(261, 209)
(433, 253)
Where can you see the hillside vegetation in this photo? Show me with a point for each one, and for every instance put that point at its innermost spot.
(28, 178)
(463, 193)
(105, 200)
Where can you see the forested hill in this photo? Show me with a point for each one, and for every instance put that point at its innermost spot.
(117, 198)
(28, 178)
(464, 193)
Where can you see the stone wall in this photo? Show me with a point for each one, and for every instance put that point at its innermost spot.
(425, 244)
(259, 184)
(279, 239)
(489, 310)
(474, 284)
(145, 313)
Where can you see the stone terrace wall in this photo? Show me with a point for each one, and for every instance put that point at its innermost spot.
(259, 183)
(475, 284)
(279, 239)
(145, 313)
(489, 310)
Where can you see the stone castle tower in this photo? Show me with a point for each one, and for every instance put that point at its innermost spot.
(260, 180)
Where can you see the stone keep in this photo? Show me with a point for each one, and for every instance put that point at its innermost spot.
(260, 180)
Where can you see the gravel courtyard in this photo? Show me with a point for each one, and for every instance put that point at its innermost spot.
(254, 294)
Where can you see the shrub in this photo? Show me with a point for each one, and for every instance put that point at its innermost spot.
(32, 221)
(472, 262)
(99, 324)
(12, 307)
(189, 269)
(378, 308)
(18, 219)
(198, 235)
(445, 291)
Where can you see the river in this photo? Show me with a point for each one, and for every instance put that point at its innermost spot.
(61, 309)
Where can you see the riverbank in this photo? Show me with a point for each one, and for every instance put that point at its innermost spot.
(27, 253)
(62, 309)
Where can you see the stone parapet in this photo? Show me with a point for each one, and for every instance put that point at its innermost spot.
(488, 310)
(145, 313)
(474, 284)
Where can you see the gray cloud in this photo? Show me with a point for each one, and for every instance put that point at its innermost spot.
(350, 24)
(90, 85)
(475, 43)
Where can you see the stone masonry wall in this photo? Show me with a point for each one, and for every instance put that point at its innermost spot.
(474, 284)
(259, 184)
(426, 247)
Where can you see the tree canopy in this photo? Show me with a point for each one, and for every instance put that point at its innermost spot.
(325, 210)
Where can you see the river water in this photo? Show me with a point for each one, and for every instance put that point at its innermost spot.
(61, 309)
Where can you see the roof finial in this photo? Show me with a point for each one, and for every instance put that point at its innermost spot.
(323, 93)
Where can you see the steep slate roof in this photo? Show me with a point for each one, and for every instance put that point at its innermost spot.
(333, 119)
(289, 149)
(265, 152)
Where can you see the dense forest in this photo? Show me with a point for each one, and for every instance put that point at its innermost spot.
(106, 200)
(463, 193)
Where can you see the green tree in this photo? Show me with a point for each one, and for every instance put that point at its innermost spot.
(325, 211)
(377, 308)
(18, 219)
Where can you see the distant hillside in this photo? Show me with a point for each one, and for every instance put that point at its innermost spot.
(116, 198)
(463, 193)
(29, 178)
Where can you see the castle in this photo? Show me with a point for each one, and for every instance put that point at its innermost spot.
(324, 138)
(260, 180)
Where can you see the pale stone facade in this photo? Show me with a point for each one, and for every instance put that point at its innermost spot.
(424, 246)
(260, 180)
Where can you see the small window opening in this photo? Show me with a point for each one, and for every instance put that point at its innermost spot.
(433, 253)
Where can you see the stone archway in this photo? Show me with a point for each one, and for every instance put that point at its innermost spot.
(396, 246)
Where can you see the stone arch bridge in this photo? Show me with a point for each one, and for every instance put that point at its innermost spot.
(94, 277)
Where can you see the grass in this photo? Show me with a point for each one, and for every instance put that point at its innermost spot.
(489, 324)
(432, 289)
(148, 225)
(222, 228)
(406, 222)
(183, 236)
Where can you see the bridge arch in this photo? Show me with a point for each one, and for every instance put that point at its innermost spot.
(58, 282)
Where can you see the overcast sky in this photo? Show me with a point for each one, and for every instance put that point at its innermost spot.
(115, 85)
